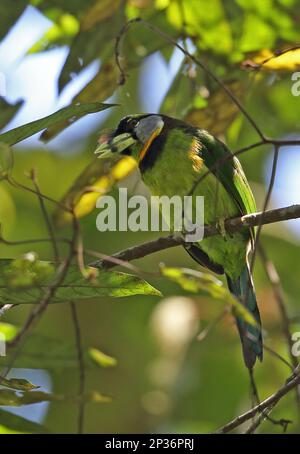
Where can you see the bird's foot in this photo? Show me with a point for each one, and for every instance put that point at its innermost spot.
(220, 225)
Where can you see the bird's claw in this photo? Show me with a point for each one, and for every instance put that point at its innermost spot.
(220, 225)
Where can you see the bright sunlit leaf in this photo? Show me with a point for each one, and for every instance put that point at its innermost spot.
(266, 60)
(101, 359)
(97, 179)
(8, 330)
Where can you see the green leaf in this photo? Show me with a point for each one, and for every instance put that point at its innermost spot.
(60, 355)
(91, 43)
(179, 98)
(12, 398)
(10, 423)
(7, 209)
(97, 398)
(7, 111)
(100, 11)
(19, 384)
(101, 359)
(61, 33)
(220, 110)
(27, 272)
(205, 29)
(264, 36)
(102, 85)
(195, 281)
(6, 160)
(68, 114)
(22, 284)
(141, 42)
(102, 175)
(8, 330)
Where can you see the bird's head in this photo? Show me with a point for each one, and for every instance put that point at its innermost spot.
(133, 136)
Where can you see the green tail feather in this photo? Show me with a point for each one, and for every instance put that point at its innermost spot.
(251, 336)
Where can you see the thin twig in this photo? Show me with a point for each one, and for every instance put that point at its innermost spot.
(274, 279)
(48, 295)
(192, 57)
(39, 309)
(81, 368)
(47, 220)
(18, 185)
(265, 413)
(207, 330)
(278, 356)
(266, 203)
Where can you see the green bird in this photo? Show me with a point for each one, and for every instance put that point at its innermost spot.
(172, 157)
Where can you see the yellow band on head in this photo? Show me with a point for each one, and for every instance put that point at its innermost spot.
(147, 145)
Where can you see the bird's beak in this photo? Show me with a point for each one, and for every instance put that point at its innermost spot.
(115, 145)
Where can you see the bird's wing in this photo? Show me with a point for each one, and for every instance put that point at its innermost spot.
(229, 171)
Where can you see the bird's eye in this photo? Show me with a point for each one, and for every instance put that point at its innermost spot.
(132, 123)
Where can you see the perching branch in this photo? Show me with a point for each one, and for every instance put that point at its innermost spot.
(268, 404)
(261, 411)
(231, 226)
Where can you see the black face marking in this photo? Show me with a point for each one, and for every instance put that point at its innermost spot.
(127, 124)
(153, 153)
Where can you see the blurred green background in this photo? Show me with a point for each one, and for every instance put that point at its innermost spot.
(53, 52)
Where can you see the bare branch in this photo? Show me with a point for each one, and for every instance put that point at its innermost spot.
(231, 226)
(266, 203)
(81, 367)
(268, 403)
(47, 220)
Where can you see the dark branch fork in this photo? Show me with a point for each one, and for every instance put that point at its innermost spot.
(268, 404)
